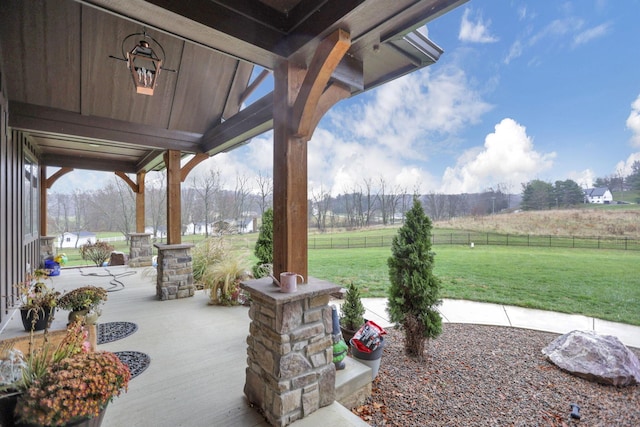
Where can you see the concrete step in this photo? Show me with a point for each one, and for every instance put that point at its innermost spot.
(353, 383)
(332, 415)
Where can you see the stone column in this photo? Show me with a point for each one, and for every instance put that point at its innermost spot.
(47, 248)
(175, 271)
(290, 371)
(140, 250)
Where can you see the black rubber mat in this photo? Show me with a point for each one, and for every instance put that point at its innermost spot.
(113, 331)
(135, 360)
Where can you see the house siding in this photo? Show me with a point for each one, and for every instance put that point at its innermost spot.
(16, 251)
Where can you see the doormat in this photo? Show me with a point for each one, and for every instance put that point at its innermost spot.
(136, 361)
(113, 331)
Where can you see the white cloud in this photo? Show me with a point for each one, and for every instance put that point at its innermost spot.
(633, 122)
(508, 155)
(583, 178)
(475, 32)
(590, 34)
(624, 167)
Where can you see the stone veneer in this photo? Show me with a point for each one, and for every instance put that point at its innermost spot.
(290, 371)
(175, 272)
(140, 250)
(47, 248)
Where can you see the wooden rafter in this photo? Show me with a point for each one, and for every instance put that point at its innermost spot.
(195, 160)
(56, 176)
(326, 59)
(135, 187)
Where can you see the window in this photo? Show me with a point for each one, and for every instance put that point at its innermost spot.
(31, 197)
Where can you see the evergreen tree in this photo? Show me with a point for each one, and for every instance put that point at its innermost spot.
(264, 246)
(537, 195)
(414, 292)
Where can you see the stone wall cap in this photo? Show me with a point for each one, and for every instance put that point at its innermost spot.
(266, 289)
(164, 246)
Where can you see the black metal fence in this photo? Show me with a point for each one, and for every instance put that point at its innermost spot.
(479, 239)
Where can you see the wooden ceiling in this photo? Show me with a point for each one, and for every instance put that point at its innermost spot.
(77, 103)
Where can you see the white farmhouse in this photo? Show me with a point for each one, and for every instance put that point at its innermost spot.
(599, 195)
(75, 240)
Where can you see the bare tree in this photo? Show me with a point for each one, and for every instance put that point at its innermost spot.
(207, 189)
(241, 199)
(369, 200)
(156, 203)
(265, 191)
(321, 201)
(114, 206)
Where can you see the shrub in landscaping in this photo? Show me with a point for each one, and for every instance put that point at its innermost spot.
(97, 252)
(264, 246)
(414, 292)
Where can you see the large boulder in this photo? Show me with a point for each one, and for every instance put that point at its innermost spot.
(600, 358)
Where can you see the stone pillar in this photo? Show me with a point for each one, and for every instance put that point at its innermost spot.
(140, 250)
(175, 271)
(47, 248)
(290, 371)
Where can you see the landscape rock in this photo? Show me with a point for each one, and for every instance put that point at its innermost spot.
(600, 358)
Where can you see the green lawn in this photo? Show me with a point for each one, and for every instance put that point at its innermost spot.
(599, 283)
(593, 282)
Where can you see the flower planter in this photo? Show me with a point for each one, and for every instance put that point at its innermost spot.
(7, 406)
(44, 316)
(372, 359)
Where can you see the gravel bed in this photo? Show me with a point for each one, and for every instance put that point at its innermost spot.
(476, 375)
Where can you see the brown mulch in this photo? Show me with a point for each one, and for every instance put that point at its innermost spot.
(476, 375)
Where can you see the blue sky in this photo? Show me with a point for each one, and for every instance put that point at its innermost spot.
(524, 90)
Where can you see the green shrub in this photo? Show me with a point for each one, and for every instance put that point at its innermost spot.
(264, 246)
(414, 292)
(97, 252)
(352, 310)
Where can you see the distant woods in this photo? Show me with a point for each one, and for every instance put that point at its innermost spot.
(211, 205)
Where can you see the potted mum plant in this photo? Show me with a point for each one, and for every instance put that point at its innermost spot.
(82, 301)
(37, 301)
(67, 384)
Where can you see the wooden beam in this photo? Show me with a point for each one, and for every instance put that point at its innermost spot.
(89, 164)
(254, 84)
(34, 118)
(174, 213)
(57, 175)
(195, 161)
(140, 202)
(134, 187)
(324, 62)
(252, 121)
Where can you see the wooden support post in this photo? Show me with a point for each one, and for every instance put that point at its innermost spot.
(174, 213)
(301, 97)
(140, 202)
(138, 188)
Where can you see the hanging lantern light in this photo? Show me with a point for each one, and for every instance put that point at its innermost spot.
(143, 62)
(145, 66)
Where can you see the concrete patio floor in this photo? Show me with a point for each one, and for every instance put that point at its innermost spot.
(198, 351)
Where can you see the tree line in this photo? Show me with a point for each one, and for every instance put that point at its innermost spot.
(229, 207)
